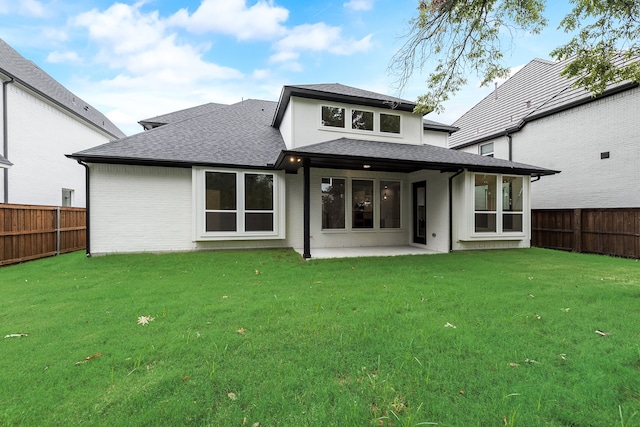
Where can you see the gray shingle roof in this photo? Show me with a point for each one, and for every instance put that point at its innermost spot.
(30, 75)
(336, 92)
(535, 91)
(437, 126)
(414, 157)
(235, 135)
(176, 116)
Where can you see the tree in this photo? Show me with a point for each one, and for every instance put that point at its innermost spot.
(468, 36)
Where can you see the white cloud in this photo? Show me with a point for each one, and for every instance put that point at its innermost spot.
(62, 57)
(318, 37)
(137, 44)
(262, 21)
(359, 5)
(32, 8)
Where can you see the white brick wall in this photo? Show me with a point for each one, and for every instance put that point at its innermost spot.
(39, 137)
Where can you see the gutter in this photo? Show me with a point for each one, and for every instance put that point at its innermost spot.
(5, 136)
(87, 203)
(451, 208)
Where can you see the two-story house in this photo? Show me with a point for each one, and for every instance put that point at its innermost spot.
(327, 166)
(40, 121)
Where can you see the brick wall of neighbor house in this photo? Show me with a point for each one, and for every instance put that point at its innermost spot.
(39, 136)
(573, 142)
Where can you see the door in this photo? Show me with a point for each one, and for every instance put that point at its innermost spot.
(419, 214)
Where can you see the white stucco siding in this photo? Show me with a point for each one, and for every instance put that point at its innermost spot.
(439, 139)
(572, 142)
(40, 134)
(140, 209)
(307, 129)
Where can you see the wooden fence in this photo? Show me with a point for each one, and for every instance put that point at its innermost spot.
(599, 231)
(31, 232)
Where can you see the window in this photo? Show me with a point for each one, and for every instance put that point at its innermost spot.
(67, 197)
(390, 204)
(333, 203)
(487, 149)
(389, 123)
(362, 202)
(333, 116)
(495, 214)
(512, 203)
(239, 203)
(258, 202)
(362, 120)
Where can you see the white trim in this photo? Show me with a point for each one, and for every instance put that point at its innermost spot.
(348, 117)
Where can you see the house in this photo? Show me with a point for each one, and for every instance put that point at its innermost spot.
(537, 117)
(327, 166)
(41, 121)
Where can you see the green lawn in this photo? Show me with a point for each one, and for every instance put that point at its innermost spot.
(246, 337)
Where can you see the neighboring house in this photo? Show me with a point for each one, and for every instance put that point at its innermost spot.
(537, 117)
(326, 166)
(41, 121)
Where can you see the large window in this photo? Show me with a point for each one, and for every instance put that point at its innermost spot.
(495, 213)
(390, 204)
(237, 202)
(333, 203)
(362, 203)
(362, 120)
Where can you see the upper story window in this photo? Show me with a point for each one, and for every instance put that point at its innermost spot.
(486, 149)
(389, 123)
(362, 120)
(333, 116)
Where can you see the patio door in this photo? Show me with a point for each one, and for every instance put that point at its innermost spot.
(419, 215)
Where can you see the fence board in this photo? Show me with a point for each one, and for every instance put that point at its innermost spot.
(601, 231)
(31, 232)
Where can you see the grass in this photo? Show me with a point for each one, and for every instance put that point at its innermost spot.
(245, 337)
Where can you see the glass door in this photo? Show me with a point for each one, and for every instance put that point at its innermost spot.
(420, 212)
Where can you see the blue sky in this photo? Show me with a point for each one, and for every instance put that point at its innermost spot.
(134, 60)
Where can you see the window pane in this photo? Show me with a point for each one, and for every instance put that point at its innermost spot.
(258, 222)
(511, 222)
(389, 123)
(362, 201)
(258, 192)
(333, 203)
(487, 150)
(485, 193)
(485, 223)
(333, 116)
(221, 221)
(512, 193)
(220, 191)
(389, 204)
(362, 120)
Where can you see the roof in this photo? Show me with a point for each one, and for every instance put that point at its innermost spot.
(351, 153)
(242, 135)
(176, 116)
(438, 127)
(336, 92)
(237, 135)
(29, 75)
(535, 91)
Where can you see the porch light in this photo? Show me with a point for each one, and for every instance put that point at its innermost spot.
(295, 159)
(367, 166)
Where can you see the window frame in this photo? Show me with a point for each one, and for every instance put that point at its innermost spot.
(499, 212)
(348, 120)
(344, 202)
(200, 212)
(488, 153)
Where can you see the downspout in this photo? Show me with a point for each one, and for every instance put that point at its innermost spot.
(451, 208)
(510, 144)
(5, 137)
(87, 211)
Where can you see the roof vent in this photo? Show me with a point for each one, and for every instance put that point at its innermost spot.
(86, 108)
(495, 92)
(528, 104)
